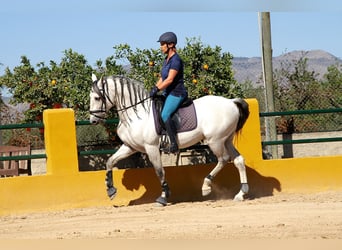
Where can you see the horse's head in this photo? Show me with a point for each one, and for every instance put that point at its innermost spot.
(99, 101)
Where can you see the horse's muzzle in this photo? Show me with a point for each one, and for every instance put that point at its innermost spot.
(94, 121)
(96, 116)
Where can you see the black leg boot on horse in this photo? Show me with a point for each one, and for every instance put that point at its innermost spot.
(171, 132)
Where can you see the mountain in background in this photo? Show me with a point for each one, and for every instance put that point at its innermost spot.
(251, 68)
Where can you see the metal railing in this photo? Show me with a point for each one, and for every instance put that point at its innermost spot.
(41, 156)
(115, 121)
(301, 112)
(22, 157)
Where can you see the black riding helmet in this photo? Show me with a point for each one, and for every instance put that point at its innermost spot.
(168, 37)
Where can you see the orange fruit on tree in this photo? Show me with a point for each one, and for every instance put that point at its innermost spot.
(57, 106)
(194, 81)
(205, 66)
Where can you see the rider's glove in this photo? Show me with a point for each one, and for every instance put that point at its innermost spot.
(154, 91)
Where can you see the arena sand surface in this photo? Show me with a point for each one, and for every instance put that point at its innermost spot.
(281, 216)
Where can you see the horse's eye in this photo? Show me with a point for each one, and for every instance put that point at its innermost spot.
(97, 98)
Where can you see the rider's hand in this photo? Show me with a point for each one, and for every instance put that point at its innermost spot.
(154, 91)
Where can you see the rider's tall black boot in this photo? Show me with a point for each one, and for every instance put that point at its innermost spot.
(172, 131)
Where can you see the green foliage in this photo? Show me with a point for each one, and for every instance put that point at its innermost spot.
(58, 85)
(208, 71)
(73, 76)
(110, 67)
(144, 65)
(332, 86)
(295, 87)
(298, 88)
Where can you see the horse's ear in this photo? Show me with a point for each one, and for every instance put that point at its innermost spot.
(93, 77)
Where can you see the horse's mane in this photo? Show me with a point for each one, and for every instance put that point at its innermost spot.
(131, 93)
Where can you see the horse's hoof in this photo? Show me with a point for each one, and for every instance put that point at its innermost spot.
(111, 192)
(206, 187)
(206, 192)
(240, 196)
(161, 201)
(157, 204)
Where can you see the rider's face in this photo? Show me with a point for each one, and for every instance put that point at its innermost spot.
(163, 47)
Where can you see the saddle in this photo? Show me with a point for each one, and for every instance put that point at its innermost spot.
(184, 118)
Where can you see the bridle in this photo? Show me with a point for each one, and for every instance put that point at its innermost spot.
(103, 95)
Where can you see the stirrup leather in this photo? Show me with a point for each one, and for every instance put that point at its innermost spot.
(165, 144)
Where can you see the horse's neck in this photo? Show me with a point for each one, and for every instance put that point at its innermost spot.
(130, 104)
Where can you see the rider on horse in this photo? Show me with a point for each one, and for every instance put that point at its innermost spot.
(171, 83)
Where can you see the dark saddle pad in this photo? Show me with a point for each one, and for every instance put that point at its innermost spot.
(184, 118)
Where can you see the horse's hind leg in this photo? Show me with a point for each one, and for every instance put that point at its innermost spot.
(122, 153)
(239, 163)
(222, 155)
(228, 152)
(206, 187)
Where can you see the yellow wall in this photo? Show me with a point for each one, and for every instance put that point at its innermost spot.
(60, 141)
(65, 187)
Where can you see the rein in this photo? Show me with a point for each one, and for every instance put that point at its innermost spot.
(103, 94)
(125, 108)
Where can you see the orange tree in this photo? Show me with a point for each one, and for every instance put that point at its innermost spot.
(207, 70)
(143, 64)
(66, 84)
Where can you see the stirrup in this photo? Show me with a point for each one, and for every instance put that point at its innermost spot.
(166, 145)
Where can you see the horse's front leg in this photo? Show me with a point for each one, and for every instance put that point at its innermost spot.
(162, 199)
(123, 152)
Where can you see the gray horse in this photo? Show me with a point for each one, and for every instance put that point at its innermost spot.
(218, 119)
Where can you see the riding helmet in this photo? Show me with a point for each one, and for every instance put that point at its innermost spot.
(168, 37)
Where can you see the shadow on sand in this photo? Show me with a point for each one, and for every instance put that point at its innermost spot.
(185, 183)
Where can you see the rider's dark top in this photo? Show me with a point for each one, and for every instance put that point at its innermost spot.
(177, 87)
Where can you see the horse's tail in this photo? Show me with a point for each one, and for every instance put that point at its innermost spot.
(244, 112)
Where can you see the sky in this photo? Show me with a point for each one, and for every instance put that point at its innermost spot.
(42, 30)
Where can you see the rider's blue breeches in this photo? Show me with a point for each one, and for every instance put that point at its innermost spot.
(170, 106)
